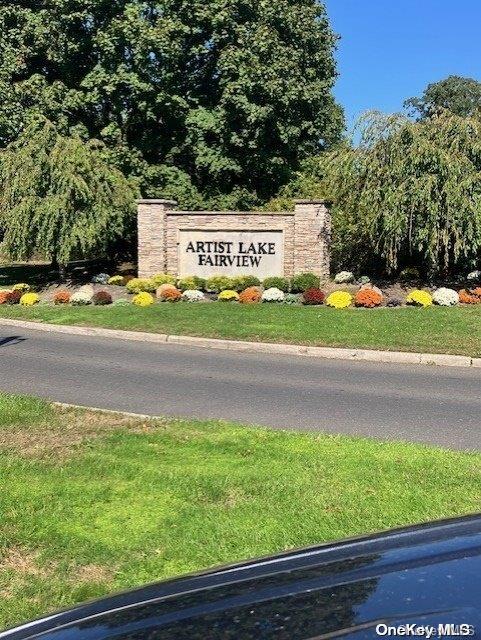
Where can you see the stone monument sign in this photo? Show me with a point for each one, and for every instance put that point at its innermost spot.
(205, 243)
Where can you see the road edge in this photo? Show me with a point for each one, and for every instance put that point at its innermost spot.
(333, 353)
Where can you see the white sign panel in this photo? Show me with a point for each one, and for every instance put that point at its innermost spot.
(207, 253)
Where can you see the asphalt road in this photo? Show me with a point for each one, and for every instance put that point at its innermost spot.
(409, 402)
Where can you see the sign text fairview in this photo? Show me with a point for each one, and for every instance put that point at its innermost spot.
(206, 253)
(229, 254)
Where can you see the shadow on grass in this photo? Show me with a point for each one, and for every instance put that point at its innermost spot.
(40, 275)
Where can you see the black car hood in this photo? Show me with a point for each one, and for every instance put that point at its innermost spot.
(422, 575)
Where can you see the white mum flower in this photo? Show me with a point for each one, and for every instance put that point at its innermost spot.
(80, 298)
(474, 275)
(343, 276)
(86, 290)
(445, 297)
(273, 295)
(193, 295)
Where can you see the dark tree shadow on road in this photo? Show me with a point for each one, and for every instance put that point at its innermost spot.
(11, 340)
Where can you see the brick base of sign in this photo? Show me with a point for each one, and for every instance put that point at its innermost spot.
(207, 242)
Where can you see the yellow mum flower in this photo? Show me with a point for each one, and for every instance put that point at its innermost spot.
(420, 298)
(21, 286)
(143, 299)
(29, 299)
(339, 299)
(228, 295)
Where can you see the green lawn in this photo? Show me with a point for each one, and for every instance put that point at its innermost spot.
(437, 329)
(94, 502)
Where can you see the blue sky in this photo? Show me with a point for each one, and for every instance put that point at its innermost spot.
(391, 49)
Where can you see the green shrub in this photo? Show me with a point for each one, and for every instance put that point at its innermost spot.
(191, 283)
(292, 298)
(240, 283)
(118, 281)
(162, 278)
(304, 281)
(276, 283)
(219, 283)
(409, 274)
(201, 283)
(137, 285)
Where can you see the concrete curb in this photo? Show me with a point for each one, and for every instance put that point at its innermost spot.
(113, 412)
(366, 355)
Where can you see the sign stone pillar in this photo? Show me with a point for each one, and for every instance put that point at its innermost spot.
(233, 242)
(152, 257)
(312, 237)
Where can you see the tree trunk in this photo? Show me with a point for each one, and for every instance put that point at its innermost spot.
(61, 268)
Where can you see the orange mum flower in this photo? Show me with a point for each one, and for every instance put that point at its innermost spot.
(367, 298)
(251, 295)
(465, 297)
(61, 297)
(171, 295)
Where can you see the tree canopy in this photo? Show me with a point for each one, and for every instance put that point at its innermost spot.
(60, 197)
(410, 193)
(209, 102)
(461, 96)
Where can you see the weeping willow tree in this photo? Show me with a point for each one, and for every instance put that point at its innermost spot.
(59, 197)
(410, 193)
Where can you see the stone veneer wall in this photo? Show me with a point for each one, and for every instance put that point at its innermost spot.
(307, 232)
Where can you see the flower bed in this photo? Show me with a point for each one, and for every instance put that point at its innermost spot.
(247, 289)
